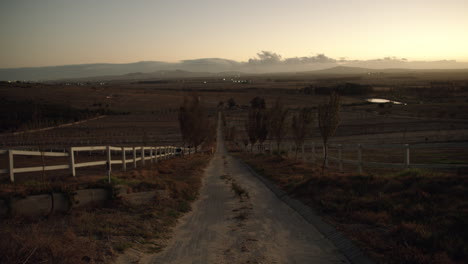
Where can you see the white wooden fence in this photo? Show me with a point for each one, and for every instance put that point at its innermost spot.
(154, 154)
(337, 150)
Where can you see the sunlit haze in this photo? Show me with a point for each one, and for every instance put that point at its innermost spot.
(56, 32)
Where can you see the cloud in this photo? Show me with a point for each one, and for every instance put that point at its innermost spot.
(266, 57)
(209, 61)
(272, 58)
(319, 58)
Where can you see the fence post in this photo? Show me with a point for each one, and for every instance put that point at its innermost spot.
(360, 158)
(124, 163)
(340, 157)
(142, 156)
(71, 160)
(151, 155)
(407, 158)
(156, 150)
(134, 158)
(10, 165)
(109, 164)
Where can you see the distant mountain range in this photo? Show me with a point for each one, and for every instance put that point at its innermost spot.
(319, 64)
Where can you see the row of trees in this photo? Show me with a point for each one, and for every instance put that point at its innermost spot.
(274, 122)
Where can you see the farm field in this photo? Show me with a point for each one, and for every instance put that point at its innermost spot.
(125, 130)
(145, 112)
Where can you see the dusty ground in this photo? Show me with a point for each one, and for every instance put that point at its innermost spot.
(238, 220)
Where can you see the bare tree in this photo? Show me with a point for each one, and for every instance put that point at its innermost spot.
(262, 125)
(251, 128)
(231, 133)
(231, 103)
(255, 126)
(328, 119)
(258, 103)
(193, 121)
(185, 121)
(257, 122)
(301, 126)
(278, 125)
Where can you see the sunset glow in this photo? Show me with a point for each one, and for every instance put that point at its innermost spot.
(52, 32)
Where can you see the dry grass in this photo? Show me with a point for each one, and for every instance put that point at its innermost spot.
(95, 235)
(60, 181)
(413, 216)
(238, 190)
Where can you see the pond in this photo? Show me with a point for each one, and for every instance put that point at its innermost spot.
(383, 101)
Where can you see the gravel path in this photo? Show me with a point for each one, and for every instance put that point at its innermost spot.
(250, 226)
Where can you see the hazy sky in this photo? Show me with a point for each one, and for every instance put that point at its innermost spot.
(58, 32)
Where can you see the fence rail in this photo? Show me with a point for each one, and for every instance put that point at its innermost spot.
(39, 153)
(145, 153)
(360, 162)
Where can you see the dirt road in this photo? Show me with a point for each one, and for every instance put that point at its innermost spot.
(253, 226)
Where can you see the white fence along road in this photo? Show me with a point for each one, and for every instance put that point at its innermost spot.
(360, 162)
(144, 153)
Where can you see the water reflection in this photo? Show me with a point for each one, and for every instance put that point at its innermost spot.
(383, 101)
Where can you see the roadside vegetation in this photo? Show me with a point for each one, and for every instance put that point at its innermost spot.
(96, 235)
(414, 216)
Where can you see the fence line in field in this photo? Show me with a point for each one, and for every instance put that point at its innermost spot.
(359, 162)
(155, 153)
